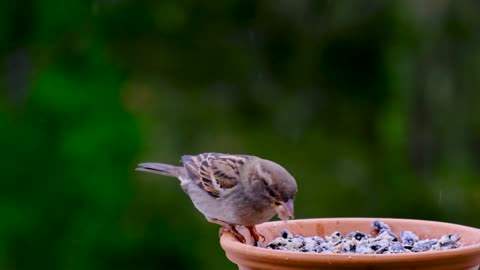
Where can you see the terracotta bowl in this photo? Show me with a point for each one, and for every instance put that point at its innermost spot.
(249, 257)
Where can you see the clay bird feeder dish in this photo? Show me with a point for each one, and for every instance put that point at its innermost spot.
(248, 257)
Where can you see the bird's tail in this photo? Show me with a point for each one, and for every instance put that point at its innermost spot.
(160, 168)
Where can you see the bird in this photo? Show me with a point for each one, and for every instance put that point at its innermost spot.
(233, 190)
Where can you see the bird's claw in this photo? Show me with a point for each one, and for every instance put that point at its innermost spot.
(256, 235)
(235, 233)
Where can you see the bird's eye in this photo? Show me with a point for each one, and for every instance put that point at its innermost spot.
(271, 192)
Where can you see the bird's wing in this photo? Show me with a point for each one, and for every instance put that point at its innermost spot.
(213, 172)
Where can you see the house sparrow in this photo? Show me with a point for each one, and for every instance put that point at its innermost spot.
(233, 190)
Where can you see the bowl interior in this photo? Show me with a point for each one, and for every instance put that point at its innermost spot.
(324, 227)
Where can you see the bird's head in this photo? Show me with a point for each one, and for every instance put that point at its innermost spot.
(277, 186)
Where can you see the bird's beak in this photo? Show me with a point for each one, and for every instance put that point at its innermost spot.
(285, 210)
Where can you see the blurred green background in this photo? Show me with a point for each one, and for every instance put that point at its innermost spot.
(374, 107)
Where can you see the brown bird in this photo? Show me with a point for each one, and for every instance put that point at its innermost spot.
(233, 190)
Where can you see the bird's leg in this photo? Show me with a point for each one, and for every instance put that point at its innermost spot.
(226, 227)
(255, 234)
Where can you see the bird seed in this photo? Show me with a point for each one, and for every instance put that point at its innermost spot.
(386, 242)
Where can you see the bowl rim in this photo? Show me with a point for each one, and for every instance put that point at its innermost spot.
(231, 245)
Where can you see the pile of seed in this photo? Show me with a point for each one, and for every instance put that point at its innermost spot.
(386, 242)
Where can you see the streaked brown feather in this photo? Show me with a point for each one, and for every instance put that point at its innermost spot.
(214, 172)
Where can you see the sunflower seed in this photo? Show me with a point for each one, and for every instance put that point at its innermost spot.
(385, 242)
